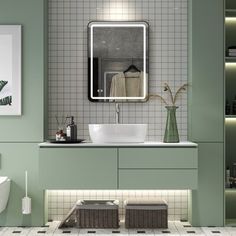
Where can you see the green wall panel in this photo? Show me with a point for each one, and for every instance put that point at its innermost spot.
(206, 108)
(208, 199)
(30, 126)
(15, 159)
(20, 134)
(206, 103)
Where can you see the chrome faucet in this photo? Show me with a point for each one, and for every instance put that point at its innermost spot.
(117, 113)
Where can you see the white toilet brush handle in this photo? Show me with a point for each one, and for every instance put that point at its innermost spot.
(26, 183)
(26, 201)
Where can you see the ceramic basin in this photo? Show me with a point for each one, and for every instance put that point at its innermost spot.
(117, 133)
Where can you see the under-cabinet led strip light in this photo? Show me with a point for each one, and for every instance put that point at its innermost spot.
(144, 58)
(229, 19)
(59, 202)
(230, 64)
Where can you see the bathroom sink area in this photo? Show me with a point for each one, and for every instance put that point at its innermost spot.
(118, 133)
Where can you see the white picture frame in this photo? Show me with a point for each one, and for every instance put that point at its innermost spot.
(10, 70)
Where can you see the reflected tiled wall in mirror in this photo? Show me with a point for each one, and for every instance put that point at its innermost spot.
(67, 74)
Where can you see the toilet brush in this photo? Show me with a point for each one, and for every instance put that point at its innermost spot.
(26, 201)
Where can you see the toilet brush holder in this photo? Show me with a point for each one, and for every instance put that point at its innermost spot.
(26, 201)
(26, 206)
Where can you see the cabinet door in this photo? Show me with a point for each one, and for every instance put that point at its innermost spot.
(78, 168)
(210, 192)
(158, 158)
(158, 179)
(206, 69)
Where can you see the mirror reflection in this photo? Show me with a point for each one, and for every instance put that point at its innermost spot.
(118, 70)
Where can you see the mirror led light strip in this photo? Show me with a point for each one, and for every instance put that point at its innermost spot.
(113, 24)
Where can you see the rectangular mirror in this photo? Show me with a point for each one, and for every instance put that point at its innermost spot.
(117, 61)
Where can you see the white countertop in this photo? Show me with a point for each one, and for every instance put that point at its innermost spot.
(145, 144)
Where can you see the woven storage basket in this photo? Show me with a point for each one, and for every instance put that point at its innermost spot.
(97, 214)
(146, 214)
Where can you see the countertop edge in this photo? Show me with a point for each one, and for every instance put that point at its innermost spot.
(145, 144)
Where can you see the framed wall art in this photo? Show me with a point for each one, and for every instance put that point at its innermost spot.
(10, 69)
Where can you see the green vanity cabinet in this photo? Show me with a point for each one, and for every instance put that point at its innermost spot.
(158, 168)
(92, 167)
(78, 168)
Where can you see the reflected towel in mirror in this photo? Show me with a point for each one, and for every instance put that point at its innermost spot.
(129, 84)
(118, 85)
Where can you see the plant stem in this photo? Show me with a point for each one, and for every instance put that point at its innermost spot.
(57, 121)
(170, 92)
(160, 97)
(179, 91)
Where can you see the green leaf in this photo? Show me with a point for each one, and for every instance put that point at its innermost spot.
(2, 84)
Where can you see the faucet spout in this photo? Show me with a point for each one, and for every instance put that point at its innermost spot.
(117, 113)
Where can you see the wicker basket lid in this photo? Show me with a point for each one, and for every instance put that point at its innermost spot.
(146, 204)
(150, 202)
(97, 204)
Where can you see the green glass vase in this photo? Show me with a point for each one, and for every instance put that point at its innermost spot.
(171, 131)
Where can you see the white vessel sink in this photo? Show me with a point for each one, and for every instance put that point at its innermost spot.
(117, 133)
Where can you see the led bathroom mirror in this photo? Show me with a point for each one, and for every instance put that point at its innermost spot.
(117, 61)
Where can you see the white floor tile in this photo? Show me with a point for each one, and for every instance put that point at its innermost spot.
(17, 231)
(53, 225)
(92, 232)
(2, 229)
(215, 231)
(121, 231)
(231, 230)
(141, 232)
(85, 232)
(190, 230)
(40, 231)
(101, 232)
(175, 228)
(170, 231)
(66, 231)
(166, 232)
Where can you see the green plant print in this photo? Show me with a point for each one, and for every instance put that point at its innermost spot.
(6, 101)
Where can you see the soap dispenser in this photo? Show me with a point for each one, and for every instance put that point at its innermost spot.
(71, 130)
